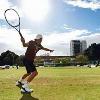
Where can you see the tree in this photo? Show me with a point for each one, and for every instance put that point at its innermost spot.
(19, 60)
(93, 51)
(39, 61)
(8, 58)
(62, 61)
(7, 61)
(81, 59)
(65, 61)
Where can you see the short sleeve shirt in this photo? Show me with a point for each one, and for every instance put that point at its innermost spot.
(32, 49)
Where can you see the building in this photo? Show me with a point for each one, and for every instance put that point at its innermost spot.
(48, 60)
(74, 47)
(83, 45)
(77, 47)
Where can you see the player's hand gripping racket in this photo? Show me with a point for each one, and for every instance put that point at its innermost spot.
(13, 19)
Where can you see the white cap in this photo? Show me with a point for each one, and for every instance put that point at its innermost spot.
(39, 36)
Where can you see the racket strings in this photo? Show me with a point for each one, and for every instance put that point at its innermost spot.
(12, 18)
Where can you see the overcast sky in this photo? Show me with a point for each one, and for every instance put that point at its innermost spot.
(59, 21)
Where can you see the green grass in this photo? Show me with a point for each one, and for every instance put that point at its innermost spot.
(53, 84)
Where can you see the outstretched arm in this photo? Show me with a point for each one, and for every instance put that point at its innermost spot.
(23, 42)
(46, 49)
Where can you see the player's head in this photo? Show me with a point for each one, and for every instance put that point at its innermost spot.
(38, 38)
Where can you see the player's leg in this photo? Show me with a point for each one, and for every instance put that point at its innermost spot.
(21, 81)
(33, 72)
(32, 76)
(25, 87)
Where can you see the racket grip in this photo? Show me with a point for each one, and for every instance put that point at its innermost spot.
(21, 35)
(22, 40)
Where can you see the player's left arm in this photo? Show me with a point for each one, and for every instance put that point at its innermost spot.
(46, 49)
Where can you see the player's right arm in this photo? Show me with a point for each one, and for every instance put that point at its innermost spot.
(23, 42)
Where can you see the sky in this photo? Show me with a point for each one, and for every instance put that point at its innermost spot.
(59, 21)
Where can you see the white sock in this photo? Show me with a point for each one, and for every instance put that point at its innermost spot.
(26, 82)
(20, 80)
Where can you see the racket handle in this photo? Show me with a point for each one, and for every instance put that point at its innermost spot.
(21, 35)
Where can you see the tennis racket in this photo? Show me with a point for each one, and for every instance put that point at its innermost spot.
(13, 19)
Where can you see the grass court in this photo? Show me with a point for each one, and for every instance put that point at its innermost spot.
(61, 83)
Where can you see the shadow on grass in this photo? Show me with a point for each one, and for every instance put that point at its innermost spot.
(28, 97)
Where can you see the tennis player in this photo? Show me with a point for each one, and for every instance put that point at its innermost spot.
(33, 47)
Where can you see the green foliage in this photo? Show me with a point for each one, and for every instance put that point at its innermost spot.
(62, 61)
(93, 52)
(81, 59)
(39, 61)
(19, 60)
(8, 58)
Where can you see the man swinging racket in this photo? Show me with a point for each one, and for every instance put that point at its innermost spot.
(33, 47)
